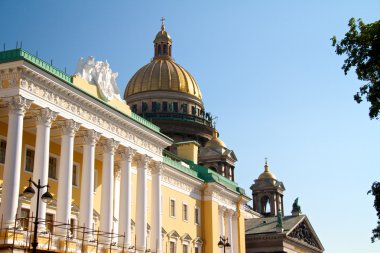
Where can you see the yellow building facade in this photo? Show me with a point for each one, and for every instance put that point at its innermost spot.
(116, 183)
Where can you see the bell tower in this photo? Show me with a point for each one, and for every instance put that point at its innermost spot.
(267, 193)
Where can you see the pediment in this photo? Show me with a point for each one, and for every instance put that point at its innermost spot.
(173, 234)
(305, 233)
(186, 237)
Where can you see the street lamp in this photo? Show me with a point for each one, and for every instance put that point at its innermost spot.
(223, 243)
(46, 198)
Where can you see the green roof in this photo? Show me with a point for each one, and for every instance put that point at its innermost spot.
(205, 174)
(20, 54)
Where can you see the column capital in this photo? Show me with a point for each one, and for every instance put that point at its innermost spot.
(117, 171)
(221, 209)
(18, 104)
(91, 137)
(110, 145)
(158, 168)
(127, 154)
(45, 116)
(143, 161)
(69, 127)
(229, 213)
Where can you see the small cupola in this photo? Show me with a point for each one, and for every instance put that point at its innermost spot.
(162, 43)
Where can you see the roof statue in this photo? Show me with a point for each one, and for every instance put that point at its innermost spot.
(100, 74)
(296, 208)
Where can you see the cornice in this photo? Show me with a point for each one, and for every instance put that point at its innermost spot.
(37, 83)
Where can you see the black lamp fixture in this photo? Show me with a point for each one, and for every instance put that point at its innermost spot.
(46, 198)
(223, 243)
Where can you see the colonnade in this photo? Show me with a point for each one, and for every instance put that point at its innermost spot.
(18, 105)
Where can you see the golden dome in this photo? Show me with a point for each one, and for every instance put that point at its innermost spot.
(267, 174)
(162, 73)
(215, 142)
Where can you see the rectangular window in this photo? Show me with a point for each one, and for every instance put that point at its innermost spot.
(3, 147)
(72, 226)
(185, 248)
(193, 110)
(196, 216)
(196, 249)
(175, 106)
(53, 167)
(134, 108)
(75, 175)
(172, 207)
(184, 108)
(24, 219)
(29, 160)
(172, 247)
(184, 212)
(164, 106)
(49, 222)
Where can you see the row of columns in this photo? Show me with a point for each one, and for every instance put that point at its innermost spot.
(228, 227)
(12, 167)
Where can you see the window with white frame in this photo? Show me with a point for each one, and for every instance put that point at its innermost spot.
(185, 248)
(29, 160)
(172, 207)
(172, 247)
(185, 212)
(197, 214)
(3, 147)
(196, 249)
(75, 174)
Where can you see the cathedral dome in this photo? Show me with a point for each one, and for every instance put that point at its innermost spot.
(162, 75)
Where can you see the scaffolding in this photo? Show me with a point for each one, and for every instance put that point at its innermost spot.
(55, 236)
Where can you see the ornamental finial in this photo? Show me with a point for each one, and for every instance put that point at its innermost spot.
(266, 165)
(162, 24)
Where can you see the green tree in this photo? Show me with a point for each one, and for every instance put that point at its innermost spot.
(361, 44)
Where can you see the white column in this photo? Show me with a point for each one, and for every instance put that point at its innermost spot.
(156, 239)
(45, 117)
(106, 204)
(126, 196)
(12, 165)
(87, 182)
(116, 200)
(221, 223)
(235, 242)
(141, 205)
(229, 229)
(65, 176)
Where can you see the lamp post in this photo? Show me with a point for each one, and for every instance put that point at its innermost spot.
(223, 243)
(46, 198)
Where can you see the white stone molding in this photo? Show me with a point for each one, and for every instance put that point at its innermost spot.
(44, 119)
(12, 165)
(127, 154)
(235, 239)
(229, 229)
(69, 128)
(110, 145)
(91, 137)
(222, 195)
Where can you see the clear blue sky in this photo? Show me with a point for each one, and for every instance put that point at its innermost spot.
(265, 68)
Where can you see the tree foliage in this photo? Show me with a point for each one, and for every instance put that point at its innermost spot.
(362, 45)
(375, 190)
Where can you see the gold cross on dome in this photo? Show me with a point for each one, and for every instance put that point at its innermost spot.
(162, 20)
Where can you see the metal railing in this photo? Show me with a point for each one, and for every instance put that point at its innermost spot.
(55, 236)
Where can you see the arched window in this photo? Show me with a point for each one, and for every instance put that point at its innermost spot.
(159, 50)
(165, 49)
(265, 203)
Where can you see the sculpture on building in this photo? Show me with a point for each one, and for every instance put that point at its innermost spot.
(100, 74)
